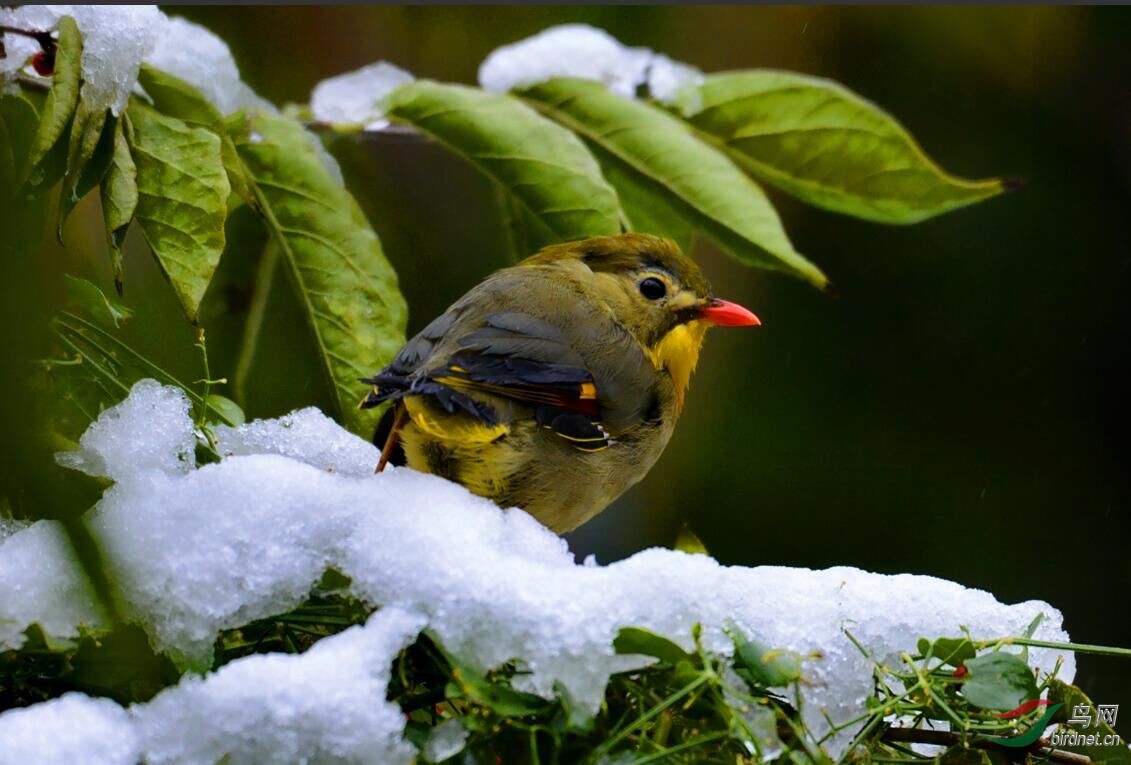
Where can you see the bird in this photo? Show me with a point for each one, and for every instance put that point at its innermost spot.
(555, 384)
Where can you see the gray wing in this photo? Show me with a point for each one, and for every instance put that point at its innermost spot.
(583, 374)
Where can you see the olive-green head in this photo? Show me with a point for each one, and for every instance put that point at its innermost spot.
(653, 290)
(648, 283)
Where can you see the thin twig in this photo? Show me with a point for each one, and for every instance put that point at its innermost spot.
(391, 132)
(950, 738)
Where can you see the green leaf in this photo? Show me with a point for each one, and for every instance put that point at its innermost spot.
(998, 680)
(635, 640)
(952, 651)
(346, 286)
(223, 410)
(86, 296)
(547, 169)
(819, 141)
(119, 197)
(687, 541)
(647, 206)
(182, 199)
(61, 102)
(90, 152)
(174, 97)
(766, 667)
(19, 120)
(698, 180)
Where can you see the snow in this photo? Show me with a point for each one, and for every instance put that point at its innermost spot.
(200, 58)
(110, 447)
(231, 550)
(323, 706)
(356, 98)
(73, 729)
(446, 740)
(200, 550)
(115, 38)
(306, 435)
(579, 50)
(42, 582)
(326, 706)
(115, 41)
(9, 526)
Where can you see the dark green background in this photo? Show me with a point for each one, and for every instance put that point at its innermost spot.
(957, 407)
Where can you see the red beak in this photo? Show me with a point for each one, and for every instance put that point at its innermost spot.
(723, 313)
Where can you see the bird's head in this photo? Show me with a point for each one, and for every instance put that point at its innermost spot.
(655, 291)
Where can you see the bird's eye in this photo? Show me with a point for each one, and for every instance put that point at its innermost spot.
(652, 288)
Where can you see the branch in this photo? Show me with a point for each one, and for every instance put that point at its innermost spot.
(950, 738)
(392, 132)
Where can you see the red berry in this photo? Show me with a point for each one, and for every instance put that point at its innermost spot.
(44, 63)
(961, 671)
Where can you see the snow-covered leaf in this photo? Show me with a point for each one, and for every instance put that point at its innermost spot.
(706, 186)
(819, 141)
(199, 58)
(588, 53)
(547, 170)
(182, 199)
(346, 286)
(357, 98)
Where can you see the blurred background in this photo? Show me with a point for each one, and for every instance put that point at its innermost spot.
(958, 406)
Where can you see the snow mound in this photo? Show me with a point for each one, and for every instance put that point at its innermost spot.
(111, 448)
(357, 97)
(200, 550)
(200, 58)
(41, 582)
(115, 38)
(307, 436)
(73, 729)
(326, 705)
(579, 50)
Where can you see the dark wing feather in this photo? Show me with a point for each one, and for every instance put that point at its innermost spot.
(512, 355)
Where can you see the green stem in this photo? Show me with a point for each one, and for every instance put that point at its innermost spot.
(701, 741)
(264, 278)
(1098, 650)
(202, 418)
(653, 712)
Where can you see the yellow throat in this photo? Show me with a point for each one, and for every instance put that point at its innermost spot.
(678, 353)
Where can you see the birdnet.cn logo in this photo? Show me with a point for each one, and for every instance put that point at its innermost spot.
(1084, 716)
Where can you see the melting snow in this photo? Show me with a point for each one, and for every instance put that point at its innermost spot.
(200, 58)
(356, 98)
(115, 38)
(579, 50)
